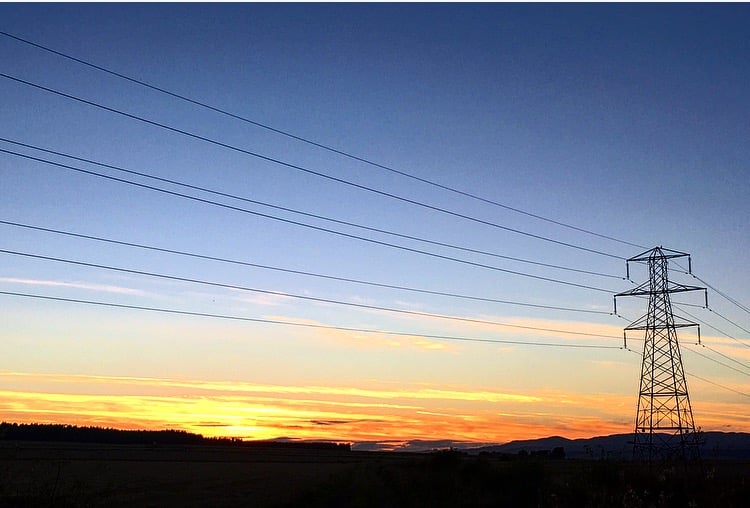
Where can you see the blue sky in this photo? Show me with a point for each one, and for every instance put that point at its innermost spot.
(627, 120)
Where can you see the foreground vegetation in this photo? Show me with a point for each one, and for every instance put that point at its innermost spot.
(35, 474)
(453, 480)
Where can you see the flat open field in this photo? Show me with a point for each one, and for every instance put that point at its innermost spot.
(74, 474)
(62, 474)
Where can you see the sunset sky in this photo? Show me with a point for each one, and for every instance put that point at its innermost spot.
(392, 223)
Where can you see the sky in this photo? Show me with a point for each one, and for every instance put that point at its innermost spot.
(393, 224)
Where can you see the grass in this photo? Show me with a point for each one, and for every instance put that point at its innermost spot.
(90, 475)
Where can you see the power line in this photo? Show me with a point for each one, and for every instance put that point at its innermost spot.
(729, 320)
(307, 170)
(718, 362)
(741, 364)
(310, 226)
(724, 295)
(640, 353)
(317, 144)
(718, 352)
(684, 304)
(715, 328)
(292, 295)
(308, 214)
(304, 325)
(300, 272)
(719, 385)
(719, 292)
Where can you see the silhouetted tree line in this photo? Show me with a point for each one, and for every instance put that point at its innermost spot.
(75, 434)
(105, 435)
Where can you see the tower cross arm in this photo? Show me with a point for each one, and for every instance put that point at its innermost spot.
(660, 252)
(672, 287)
(657, 253)
(640, 325)
(645, 289)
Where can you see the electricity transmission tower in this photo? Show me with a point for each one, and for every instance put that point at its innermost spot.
(664, 426)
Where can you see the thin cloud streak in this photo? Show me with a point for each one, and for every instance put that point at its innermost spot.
(103, 288)
(358, 414)
(237, 417)
(200, 387)
(270, 411)
(363, 340)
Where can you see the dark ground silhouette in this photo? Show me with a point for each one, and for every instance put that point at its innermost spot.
(227, 473)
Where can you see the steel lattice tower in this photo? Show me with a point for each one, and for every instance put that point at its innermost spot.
(664, 426)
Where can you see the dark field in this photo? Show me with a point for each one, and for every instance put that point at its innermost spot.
(60, 474)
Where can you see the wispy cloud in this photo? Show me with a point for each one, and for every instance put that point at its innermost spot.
(358, 413)
(516, 327)
(161, 386)
(574, 330)
(371, 412)
(364, 340)
(262, 299)
(273, 418)
(104, 288)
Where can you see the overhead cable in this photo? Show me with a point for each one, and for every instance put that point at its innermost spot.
(714, 328)
(300, 272)
(292, 295)
(715, 290)
(308, 214)
(741, 364)
(721, 293)
(297, 223)
(719, 362)
(719, 385)
(728, 320)
(305, 325)
(640, 353)
(318, 144)
(307, 170)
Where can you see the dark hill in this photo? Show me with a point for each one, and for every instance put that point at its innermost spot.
(717, 445)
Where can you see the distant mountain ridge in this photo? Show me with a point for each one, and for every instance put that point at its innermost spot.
(717, 445)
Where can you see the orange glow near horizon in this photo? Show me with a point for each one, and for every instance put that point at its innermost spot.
(376, 412)
(254, 411)
(350, 414)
